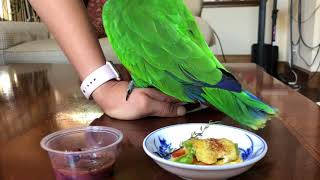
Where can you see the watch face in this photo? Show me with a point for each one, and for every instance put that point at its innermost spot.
(114, 69)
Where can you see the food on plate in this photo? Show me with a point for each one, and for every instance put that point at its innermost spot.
(209, 151)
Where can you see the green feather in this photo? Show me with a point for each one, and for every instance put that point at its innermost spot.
(160, 44)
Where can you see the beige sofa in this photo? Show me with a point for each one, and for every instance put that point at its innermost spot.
(26, 42)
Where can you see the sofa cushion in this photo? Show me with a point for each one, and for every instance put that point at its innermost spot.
(13, 33)
(47, 51)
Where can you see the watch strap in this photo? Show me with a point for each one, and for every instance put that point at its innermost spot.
(98, 77)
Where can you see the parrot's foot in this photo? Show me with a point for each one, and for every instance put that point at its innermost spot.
(130, 89)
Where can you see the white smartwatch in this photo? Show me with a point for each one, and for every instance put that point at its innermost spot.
(98, 77)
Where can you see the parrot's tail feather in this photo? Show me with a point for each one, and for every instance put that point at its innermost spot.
(243, 107)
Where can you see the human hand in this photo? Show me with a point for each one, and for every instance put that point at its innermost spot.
(142, 102)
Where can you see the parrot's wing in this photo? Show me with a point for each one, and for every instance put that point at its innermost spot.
(164, 35)
(159, 42)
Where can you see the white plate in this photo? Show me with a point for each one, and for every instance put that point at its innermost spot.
(160, 143)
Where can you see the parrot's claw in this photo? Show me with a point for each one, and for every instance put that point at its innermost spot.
(130, 89)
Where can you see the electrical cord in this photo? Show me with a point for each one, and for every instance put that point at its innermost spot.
(300, 41)
(311, 77)
(304, 60)
(314, 74)
(300, 27)
(295, 81)
(311, 15)
(287, 77)
(297, 43)
(300, 22)
(291, 37)
(304, 43)
(220, 44)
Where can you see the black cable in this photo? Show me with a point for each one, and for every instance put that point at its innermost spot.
(314, 74)
(297, 43)
(285, 79)
(220, 44)
(304, 60)
(291, 18)
(291, 36)
(305, 84)
(304, 21)
(311, 15)
(302, 39)
(300, 27)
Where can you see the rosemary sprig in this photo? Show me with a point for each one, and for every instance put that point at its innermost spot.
(203, 129)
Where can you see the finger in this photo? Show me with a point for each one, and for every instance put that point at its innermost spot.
(165, 109)
(159, 96)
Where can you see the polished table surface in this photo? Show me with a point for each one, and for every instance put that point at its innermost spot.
(37, 99)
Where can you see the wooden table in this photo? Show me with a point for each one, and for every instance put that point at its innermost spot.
(36, 100)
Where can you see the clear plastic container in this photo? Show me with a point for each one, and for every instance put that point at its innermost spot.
(87, 153)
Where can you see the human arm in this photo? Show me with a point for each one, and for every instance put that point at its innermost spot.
(69, 23)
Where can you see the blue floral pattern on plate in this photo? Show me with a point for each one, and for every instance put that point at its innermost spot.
(246, 153)
(160, 143)
(164, 149)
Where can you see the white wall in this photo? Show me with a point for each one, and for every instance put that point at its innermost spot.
(237, 27)
(311, 34)
(282, 31)
(316, 38)
(1, 9)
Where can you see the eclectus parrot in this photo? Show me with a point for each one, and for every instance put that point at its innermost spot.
(160, 44)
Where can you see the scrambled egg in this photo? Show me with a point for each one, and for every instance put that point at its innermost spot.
(211, 151)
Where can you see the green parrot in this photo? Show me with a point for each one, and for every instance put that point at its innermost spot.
(160, 44)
